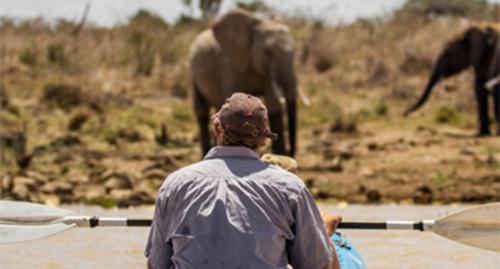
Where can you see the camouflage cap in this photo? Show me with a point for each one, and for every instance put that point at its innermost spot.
(243, 117)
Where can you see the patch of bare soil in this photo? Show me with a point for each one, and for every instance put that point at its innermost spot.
(400, 165)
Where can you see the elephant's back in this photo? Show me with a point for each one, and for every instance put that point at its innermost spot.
(204, 63)
(204, 43)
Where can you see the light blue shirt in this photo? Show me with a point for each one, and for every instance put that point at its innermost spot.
(233, 211)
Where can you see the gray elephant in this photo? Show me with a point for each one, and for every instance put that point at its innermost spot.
(478, 48)
(242, 53)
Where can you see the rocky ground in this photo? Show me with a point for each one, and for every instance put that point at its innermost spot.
(104, 115)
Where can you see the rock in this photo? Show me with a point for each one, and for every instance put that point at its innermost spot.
(373, 196)
(63, 157)
(146, 187)
(98, 173)
(372, 146)
(317, 131)
(39, 178)
(309, 182)
(329, 154)
(30, 183)
(121, 194)
(163, 161)
(345, 153)
(467, 151)
(95, 193)
(80, 191)
(492, 160)
(76, 180)
(335, 165)
(423, 195)
(6, 183)
(20, 191)
(126, 198)
(50, 200)
(155, 173)
(367, 172)
(58, 187)
(140, 198)
(362, 188)
(118, 181)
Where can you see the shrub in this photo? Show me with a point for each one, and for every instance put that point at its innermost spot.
(323, 63)
(469, 8)
(147, 20)
(447, 115)
(4, 98)
(179, 90)
(62, 95)
(381, 108)
(56, 54)
(342, 124)
(254, 6)
(77, 121)
(414, 64)
(28, 56)
(144, 53)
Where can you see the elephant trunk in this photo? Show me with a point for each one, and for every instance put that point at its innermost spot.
(288, 84)
(435, 78)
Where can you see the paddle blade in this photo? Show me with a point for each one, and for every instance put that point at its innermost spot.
(478, 227)
(17, 233)
(22, 212)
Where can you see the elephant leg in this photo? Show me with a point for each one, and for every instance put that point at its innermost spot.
(482, 108)
(276, 122)
(202, 110)
(496, 105)
(292, 125)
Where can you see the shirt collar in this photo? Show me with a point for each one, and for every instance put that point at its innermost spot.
(231, 151)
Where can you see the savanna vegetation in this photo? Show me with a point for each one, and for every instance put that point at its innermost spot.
(102, 115)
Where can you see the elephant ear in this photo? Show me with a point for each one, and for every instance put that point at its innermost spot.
(477, 42)
(234, 35)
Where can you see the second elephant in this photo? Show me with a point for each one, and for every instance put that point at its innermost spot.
(242, 53)
(478, 48)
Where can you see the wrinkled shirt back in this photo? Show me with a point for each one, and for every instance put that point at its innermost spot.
(233, 211)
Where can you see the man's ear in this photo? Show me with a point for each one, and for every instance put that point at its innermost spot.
(217, 129)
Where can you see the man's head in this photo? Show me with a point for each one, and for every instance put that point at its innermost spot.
(242, 121)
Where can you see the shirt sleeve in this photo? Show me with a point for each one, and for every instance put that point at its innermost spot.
(309, 248)
(158, 251)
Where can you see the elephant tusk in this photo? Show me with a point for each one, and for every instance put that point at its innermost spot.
(278, 93)
(303, 97)
(492, 83)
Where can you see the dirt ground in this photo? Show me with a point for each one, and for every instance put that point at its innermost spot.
(85, 119)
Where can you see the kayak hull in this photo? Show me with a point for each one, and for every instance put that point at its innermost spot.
(349, 257)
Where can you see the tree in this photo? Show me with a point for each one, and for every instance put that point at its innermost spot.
(208, 8)
(468, 8)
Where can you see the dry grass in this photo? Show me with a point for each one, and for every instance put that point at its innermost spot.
(134, 78)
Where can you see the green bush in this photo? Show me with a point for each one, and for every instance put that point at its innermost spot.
(447, 115)
(254, 5)
(56, 54)
(28, 56)
(4, 98)
(323, 63)
(381, 108)
(62, 95)
(144, 52)
(147, 20)
(179, 90)
(78, 120)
